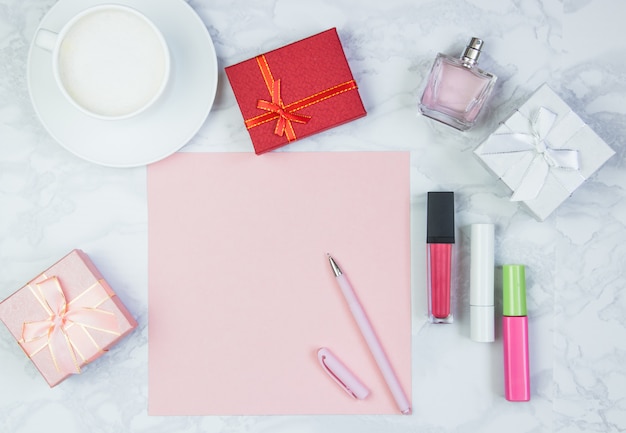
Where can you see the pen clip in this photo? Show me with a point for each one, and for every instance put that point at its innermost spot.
(341, 374)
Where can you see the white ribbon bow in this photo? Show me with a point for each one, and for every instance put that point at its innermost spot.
(545, 159)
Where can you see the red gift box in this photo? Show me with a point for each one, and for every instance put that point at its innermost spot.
(295, 91)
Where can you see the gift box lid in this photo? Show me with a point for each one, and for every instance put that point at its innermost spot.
(543, 152)
(66, 317)
(295, 91)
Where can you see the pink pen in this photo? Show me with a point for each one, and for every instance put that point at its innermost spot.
(515, 334)
(370, 338)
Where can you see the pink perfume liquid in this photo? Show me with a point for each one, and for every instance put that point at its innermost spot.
(456, 89)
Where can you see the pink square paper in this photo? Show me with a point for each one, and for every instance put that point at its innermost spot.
(241, 294)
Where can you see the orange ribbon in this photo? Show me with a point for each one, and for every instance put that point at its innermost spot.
(66, 330)
(285, 114)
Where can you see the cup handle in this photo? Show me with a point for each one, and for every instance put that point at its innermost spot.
(46, 39)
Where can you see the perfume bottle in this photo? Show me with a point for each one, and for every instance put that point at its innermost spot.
(457, 89)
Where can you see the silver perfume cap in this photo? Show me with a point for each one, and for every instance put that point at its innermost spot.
(472, 51)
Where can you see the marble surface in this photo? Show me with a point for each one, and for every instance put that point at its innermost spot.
(52, 201)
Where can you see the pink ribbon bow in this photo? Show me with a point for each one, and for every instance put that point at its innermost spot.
(65, 332)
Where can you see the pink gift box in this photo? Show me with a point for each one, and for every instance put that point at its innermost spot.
(66, 317)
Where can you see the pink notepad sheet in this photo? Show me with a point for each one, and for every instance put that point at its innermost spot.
(241, 294)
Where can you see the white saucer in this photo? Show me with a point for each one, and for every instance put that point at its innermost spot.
(159, 131)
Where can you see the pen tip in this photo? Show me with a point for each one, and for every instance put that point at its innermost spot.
(334, 266)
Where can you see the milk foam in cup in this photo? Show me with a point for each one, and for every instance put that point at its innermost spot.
(110, 61)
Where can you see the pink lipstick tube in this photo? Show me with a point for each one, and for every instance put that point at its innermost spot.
(439, 240)
(515, 334)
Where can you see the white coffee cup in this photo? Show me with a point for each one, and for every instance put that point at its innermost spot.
(110, 61)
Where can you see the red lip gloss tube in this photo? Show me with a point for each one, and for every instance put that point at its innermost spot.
(439, 240)
(515, 334)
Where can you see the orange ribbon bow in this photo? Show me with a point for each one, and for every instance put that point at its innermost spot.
(285, 114)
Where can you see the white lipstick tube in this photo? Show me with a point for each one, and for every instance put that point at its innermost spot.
(481, 283)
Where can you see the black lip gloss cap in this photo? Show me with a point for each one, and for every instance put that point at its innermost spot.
(440, 218)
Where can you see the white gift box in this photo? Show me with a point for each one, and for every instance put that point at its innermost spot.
(543, 152)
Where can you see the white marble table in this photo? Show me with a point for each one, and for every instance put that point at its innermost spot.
(52, 201)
